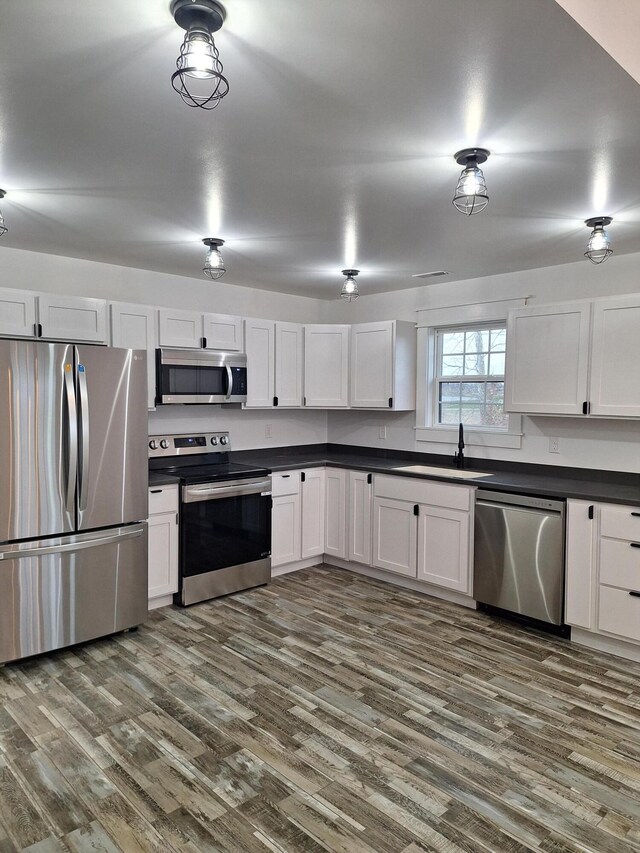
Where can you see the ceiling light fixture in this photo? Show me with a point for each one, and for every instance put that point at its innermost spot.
(350, 287)
(3, 227)
(471, 190)
(199, 79)
(599, 247)
(214, 266)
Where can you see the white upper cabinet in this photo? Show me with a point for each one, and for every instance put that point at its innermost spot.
(18, 313)
(383, 365)
(260, 347)
(72, 318)
(548, 359)
(222, 332)
(134, 327)
(326, 366)
(179, 329)
(288, 370)
(614, 388)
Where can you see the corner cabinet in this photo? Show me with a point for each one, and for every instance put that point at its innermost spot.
(134, 327)
(383, 365)
(326, 366)
(548, 359)
(163, 544)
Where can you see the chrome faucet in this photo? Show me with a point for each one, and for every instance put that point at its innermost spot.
(459, 456)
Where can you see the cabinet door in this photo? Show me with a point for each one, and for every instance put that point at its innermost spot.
(260, 347)
(223, 332)
(372, 365)
(580, 578)
(443, 548)
(336, 513)
(313, 512)
(615, 355)
(179, 329)
(288, 374)
(163, 554)
(326, 366)
(547, 359)
(73, 318)
(394, 536)
(134, 327)
(359, 531)
(17, 313)
(285, 530)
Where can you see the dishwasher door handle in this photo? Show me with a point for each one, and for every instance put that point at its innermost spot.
(520, 507)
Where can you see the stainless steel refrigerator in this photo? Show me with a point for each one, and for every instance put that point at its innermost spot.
(73, 494)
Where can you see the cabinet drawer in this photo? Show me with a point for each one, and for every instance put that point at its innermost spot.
(619, 522)
(287, 483)
(619, 613)
(619, 564)
(163, 499)
(428, 492)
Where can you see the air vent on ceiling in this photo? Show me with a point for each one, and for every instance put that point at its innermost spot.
(433, 274)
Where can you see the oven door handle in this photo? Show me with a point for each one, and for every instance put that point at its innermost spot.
(191, 494)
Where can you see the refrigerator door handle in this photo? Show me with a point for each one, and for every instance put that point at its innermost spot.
(83, 406)
(17, 553)
(71, 429)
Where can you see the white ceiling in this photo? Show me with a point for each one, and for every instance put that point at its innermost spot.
(333, 148)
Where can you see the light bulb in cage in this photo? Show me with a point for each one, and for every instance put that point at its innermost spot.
(214, 267)
(471, 194)
(599, 248)
(198, 77)
(350, 286)
(3, 227)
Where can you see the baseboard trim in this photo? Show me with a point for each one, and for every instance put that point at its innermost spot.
(600, 643)
(398, 580)
(162, 601)
(295, 567)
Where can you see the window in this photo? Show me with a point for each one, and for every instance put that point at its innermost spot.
(469, 377)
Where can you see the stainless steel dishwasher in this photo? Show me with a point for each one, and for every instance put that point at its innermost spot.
(519, 554)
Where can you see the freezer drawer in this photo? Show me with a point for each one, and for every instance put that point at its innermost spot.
(57, 592)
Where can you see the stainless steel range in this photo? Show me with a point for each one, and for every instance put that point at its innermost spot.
(225, 515)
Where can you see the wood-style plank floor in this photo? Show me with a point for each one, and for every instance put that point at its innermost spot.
(323, 712)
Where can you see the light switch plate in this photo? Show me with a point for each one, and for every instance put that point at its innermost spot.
(382, 432)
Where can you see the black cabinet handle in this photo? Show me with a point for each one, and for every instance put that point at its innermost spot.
(591, 512)
(636, 514)
(155, 491)
(303, 477)
(391, 402)
(39, 330)
(635, 594)
(275, 401)
(585, 408)
(635, 544)
(204, 343)
(369, 478)
(35, 330)
(286, 476)
(416, 509)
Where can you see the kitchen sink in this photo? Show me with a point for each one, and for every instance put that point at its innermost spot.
(455, 473)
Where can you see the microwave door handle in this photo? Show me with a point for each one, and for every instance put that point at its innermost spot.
(84, 436)
(229, 381)
(71, 434)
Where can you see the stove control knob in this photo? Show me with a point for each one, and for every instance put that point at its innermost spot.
(153, 444)
(164, 443)
(214, 440)
(224, 439)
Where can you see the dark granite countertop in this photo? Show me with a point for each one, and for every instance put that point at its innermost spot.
(157, 478)
(551, 480)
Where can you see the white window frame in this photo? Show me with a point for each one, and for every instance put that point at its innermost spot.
(427, 427)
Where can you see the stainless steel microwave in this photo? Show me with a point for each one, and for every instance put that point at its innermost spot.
(198, 377)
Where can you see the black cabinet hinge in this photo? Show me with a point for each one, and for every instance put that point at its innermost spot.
(591, 512)
(416, 509)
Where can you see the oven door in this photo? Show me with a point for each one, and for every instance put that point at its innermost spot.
(188, 377)
(224, 525)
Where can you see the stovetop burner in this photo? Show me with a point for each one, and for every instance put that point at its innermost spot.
(198, 458)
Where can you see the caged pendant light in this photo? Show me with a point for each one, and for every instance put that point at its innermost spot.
(198, 78)
(471, 190)
(214, 267)
(3, 227)
(350, 286)
(599, 248)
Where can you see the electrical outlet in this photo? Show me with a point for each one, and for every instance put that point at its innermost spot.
(554, 445)
(382, 432)
(268, 430)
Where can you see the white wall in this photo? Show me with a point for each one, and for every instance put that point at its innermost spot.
(602, 444)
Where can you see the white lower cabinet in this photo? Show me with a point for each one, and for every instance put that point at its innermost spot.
(298, 515)
(163, 541)
(603, 570)
(359, 529)
(285, 530)
(336, 513)
(423, 529)
(313, 512)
